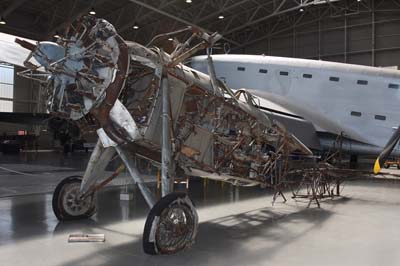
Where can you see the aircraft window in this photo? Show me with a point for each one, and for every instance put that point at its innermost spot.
(334, 79)
(264, 71)
(241, 68)
(354, 113)
(393, 86)
(284, 73)
(307, 76)
(380, 117)
(362, 82)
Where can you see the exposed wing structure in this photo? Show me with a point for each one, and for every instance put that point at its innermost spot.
(11, 52)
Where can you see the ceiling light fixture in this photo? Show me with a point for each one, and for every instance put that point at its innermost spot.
(301, 6)
(56, 35)
(135, 27)
(189, 1)
(221, 16)
(170, 39)
(92, 11)
(2, 21)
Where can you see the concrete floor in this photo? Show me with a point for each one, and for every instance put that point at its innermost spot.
(237, 226)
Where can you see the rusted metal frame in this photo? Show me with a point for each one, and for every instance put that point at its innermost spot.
(268, 168)
(318, 185)
(102, 113)
(338, 141)
(314, 193)
(172, 73)
(276, 194)
(201, 165)
(270, 165)
(206, 109)
(218, 165)
(280, 178)
(299, 185)
(102, 184)
(150, 94)
(182, 47)
(182, 138)
(203, 90)
(143, 74)
(283, 172)
(154, 104)
(165, 35)
(178, 59)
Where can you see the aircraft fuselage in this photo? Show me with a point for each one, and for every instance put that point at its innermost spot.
(360, 101)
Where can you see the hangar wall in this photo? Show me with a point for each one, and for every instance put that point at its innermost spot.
(25, 100)
(26, 94)
(371, 38)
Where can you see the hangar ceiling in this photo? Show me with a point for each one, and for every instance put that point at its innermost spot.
(244, 21)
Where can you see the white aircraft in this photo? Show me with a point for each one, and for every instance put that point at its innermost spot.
(360, 102)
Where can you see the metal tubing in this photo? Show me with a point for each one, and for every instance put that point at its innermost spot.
(102, 184)
(167, 180)
(97, 163)
(211, 72)
(91, 166)
(147, 194)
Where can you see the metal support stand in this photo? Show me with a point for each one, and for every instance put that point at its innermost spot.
(167, 179)
(128, 161)
(125, 194)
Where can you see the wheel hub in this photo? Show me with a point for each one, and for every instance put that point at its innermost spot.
(73, 203)
(175, 230)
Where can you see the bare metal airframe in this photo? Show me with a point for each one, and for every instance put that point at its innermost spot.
(145, 103)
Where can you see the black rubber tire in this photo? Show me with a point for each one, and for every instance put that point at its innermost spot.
(58, 209)
(151, 247)
(398, 166)
(386, 165)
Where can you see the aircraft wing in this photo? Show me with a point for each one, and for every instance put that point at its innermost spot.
(269, 105)
(11, 52)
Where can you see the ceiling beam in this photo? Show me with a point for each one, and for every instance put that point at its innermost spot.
(139, 18)
(15, 4)
(183, 21)
(274, 33)
(275, 13)
(68, 21)
(224, 9)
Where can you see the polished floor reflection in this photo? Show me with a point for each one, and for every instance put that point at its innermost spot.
(238, 226)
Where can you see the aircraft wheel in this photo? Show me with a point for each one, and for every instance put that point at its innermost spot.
(66, 202)
(171, 225)
(386, 165)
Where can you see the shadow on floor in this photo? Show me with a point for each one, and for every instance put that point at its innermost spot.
(230, 240)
